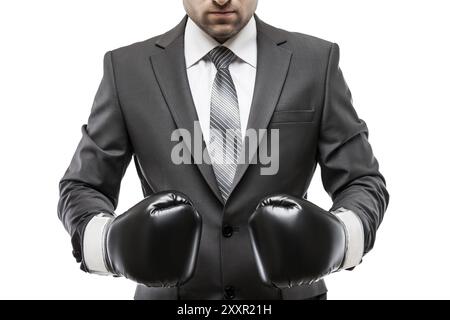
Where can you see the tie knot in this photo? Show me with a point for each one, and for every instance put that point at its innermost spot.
(222, 57)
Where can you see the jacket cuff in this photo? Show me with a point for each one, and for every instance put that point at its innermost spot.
(354, 237)
(94, 255)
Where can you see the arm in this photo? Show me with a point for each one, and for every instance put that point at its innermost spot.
(350, 171)
(91, 184)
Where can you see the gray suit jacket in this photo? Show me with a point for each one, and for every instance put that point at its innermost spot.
(144, 96)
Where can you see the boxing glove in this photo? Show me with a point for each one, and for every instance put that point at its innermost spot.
(295, 242)
(156, 242)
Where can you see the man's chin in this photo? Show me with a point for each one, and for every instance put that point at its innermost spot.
(223, 32)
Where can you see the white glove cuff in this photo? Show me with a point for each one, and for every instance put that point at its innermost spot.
(94, 241)
(354, 237)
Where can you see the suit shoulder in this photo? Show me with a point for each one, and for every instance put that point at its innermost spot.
(311, 41)
(300, 43)
(314, 45)
(312, 49)
(137, 50)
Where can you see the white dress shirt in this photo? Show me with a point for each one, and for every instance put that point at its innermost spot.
(201, 73)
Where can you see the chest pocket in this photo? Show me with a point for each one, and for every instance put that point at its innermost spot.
(293, 116)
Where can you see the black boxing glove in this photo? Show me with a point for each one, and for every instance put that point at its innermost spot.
(295, 242)
(156, 242)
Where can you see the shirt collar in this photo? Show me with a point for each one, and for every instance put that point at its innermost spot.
(197, 43)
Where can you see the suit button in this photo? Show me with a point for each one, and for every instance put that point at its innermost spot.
(227, 231)
(229, 293)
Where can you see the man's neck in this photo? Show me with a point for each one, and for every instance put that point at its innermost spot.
(221, 41)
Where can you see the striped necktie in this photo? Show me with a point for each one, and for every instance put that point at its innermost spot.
(225, 125)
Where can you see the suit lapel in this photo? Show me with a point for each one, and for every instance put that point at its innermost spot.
(272, 67)
(170, 71)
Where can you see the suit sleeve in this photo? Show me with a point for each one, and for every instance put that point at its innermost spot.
(350, 171)
(91, 184)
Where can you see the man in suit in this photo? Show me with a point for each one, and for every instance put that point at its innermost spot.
(222, 68)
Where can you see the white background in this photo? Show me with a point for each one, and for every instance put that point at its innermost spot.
(396, 59)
